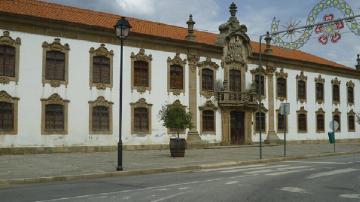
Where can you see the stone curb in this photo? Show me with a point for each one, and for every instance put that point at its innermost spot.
(12, 182)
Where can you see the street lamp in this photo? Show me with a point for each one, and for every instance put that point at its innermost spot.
(122, 29)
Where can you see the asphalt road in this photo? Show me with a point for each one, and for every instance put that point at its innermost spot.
(324, 179)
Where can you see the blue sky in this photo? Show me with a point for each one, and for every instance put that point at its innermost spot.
(257, 15)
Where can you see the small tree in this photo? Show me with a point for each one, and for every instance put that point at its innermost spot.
(358, 118)
(174, 116)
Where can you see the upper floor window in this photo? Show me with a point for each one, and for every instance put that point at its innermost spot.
(55, 63)
(176, 77)
(319, 89)
(335, 91)
(319, 92)
(301, 90)
(9, 58)
(260, 121)
(101, 67)
(350, 92)
(235, 80)
(281, 88)
(55, 66)
(141, 71)
(260, 84)
(207, 80)
(7, 61)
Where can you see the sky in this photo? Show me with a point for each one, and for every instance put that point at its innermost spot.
(257, 15)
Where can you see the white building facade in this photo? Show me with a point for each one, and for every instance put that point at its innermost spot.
(59, 84)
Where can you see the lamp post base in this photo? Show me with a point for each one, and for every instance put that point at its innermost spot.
(119, 166)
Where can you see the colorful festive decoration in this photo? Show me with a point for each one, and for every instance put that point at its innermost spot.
(296, 39)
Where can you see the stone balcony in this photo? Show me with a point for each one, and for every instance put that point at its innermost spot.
(246, 100)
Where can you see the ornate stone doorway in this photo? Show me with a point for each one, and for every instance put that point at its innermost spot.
(237, 127)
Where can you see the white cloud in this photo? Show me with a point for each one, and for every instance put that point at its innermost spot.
(137, 7)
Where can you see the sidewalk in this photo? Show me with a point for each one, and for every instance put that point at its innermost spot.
(16, 167)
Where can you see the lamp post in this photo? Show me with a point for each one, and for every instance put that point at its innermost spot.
(122, 29)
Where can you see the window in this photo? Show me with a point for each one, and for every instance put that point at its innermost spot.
(302, 123)
(54, 117)
(176, 77)
(55, 63)
(6, 116)
(260, 84)
(350, 94)
(351, 122)
(141, 119)
(320, 123)
(281, 88)
(55, 66)
(207, 80)
(101, 119)
(336, 93)
(9, 58)
(336, 117)
(301, 90)
(235, 80)
(260, 121)
(7, 61)
(208, 118)
(101, 69)
(319, 92)
(141, 73)
(281, 122)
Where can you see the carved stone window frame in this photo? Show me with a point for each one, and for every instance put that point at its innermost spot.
(101, 51)
(320, 111)
(277, 122)
(140, 56)
(350, 84)
(338, 113)
(351, 113)
(321, 80)
(301, 111)
(303, 78)
(334, 82)
(55, 46)
(175, 61)
(100, 101)
(5, 97)
(54, 99)
(207, 64)
(262, 72)
(143, 104)
(283, 75)
(208, 105)
(5, 39)
(172, 132)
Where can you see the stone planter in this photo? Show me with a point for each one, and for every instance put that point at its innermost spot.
(177, 147)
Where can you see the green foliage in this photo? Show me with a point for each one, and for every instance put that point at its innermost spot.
(175, 117)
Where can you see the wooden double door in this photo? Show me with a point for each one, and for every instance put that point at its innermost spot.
(237, 125)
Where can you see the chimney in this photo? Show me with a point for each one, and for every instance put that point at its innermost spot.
(191, 36)
(358, 63)
(268, 49)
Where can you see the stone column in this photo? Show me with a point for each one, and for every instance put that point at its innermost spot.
(193, 134)
(271, 137)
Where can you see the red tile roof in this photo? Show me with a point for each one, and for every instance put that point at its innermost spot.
(59, 12)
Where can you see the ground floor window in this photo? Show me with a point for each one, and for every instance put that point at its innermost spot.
(208, 118)
(6, 116)
(260, 121)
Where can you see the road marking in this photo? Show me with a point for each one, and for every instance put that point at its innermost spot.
(184, 188)
(241, 176)
(352, 196)
(317, 162)
(163, 189)
(289, 172)
(231, 168)
(169, 197)
(276, 169)
(294, 190)
(333, 172)
(257, 168)
(232, 182)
